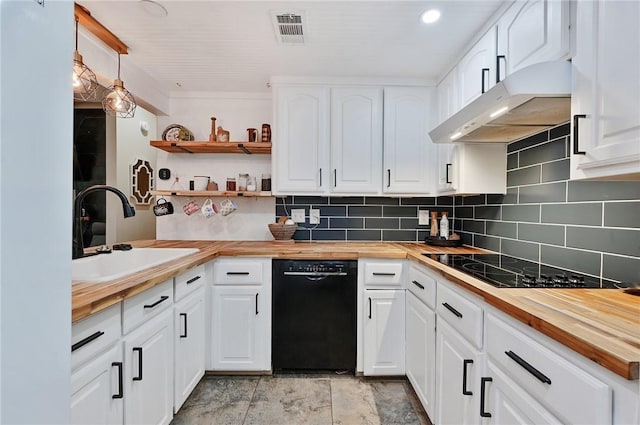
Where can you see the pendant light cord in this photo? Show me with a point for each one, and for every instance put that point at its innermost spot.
(76, 33)
(118, 65)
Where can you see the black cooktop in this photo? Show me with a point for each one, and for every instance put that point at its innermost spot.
(509, 272)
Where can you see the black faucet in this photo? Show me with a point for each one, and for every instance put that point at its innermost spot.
(78, 243)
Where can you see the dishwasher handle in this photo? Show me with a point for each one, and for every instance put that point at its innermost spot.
(315, 274)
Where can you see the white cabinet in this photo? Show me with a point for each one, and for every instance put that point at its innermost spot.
(148, 371)
(477, 69)
(356, 139)
(408, 150)
(530, 32)
(467, 168)
(384, 332)
(189, 348)
(448, 96)
(301, 152)
(605, 102)
(241, 315)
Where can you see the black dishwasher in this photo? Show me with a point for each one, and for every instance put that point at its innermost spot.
(314, 315)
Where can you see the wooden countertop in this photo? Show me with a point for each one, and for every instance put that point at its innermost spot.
(601, 324)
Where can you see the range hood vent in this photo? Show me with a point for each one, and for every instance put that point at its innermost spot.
(289, 27)
(526, 102)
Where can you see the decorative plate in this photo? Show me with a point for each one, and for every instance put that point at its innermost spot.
(177, 133)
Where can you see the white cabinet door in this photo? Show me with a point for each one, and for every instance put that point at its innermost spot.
(148, 372)
(448, 96)
(408, 150)
(97, 390)
(445, 169)
(476, 70)
(188, 339)
(241, 328)
(467, 168)
(301, 140)
(530, 32)
(458, 371)
(384, 326)
(356, 140)
(421, 351)
(606, 92)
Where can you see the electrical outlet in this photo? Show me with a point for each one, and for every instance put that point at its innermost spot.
(314, 216)
(423, 217)
(297, 215)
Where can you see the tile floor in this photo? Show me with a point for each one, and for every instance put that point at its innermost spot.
(287, 399)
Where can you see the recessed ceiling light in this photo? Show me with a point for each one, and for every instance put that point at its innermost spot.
(430, 16)
(153, 8)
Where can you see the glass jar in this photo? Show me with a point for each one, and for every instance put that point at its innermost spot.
(231, 184)
(252, 184)
(266, 182)
(243, 179)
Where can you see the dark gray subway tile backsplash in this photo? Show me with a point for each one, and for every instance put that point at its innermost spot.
(591, 227)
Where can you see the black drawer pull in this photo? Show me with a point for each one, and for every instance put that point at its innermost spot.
(185, 325)
(465, 363)
(418, 284)
(193, 279)
(576, 126)
(446, 179)
(257, 303)
(484, 71)
(483, 391)
(321, 177)
(453, 310)
(139, 350)
(532, 370)
(87, 340)
(504, 58)
(237, 273)
(369, 307)
(383, 274)
(120, 384)
(388, 177)
(335, 178)
(162, 299)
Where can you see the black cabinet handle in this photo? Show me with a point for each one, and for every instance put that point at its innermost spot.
(383, 274)
(257, 303)
(388, 177)
(335, 177)
(418, 284)
(576, 147)
(498, 58)
(161, 300)
(238, 273)
(447, 178)
(369, 307)
(321, 177)
(483, 391)
(139, 350)
(453, 310)
(185, 325)
(532, 370)
(484, 71)
(193, 279)
(120, 384)
(465, 363)
(87, 340)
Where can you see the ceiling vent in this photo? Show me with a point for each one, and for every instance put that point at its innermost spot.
(289, 27)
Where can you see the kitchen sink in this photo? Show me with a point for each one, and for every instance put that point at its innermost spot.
(104, 267)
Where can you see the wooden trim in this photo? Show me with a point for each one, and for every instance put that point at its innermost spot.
(213, 147)
(83, 15)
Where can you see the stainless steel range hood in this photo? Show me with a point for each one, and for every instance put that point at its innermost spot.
(524, 103)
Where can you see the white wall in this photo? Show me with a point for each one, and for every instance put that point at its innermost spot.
(36, 134)
(235, 112)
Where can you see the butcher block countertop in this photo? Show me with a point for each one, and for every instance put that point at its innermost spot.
(601, 324)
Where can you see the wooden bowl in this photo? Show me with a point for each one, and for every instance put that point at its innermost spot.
(282, 232)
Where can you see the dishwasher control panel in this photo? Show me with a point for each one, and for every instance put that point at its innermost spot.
(332, 267)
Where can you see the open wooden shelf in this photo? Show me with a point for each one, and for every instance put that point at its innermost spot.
(213, 147)
(211, 193)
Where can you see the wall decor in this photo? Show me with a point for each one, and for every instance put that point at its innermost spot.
(142, 182)
(177, 133)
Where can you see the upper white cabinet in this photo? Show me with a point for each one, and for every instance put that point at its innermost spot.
(606, 95)
(356, 140)
(448, 96)
(467, 168)
(477, 69)
(301, 156)
(408, 150)
(531, 32)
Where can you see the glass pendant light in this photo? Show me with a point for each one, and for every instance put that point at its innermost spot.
(118, 101)
(84, 80)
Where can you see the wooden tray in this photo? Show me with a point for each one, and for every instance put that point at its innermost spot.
(442, 242)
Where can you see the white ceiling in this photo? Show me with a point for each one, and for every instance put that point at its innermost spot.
(232, 46)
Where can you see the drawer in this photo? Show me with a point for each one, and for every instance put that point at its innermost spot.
(569, 391)
(422, 285)
(381, 274)
(241, 271)
(95, 334)
(461, 312)
(140, 308)
(189, 281)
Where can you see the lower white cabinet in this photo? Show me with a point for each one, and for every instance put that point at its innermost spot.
(458, 371)
(189, 337)
(148, 371)
(384, 332)
(421, 350)
(97, 390)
